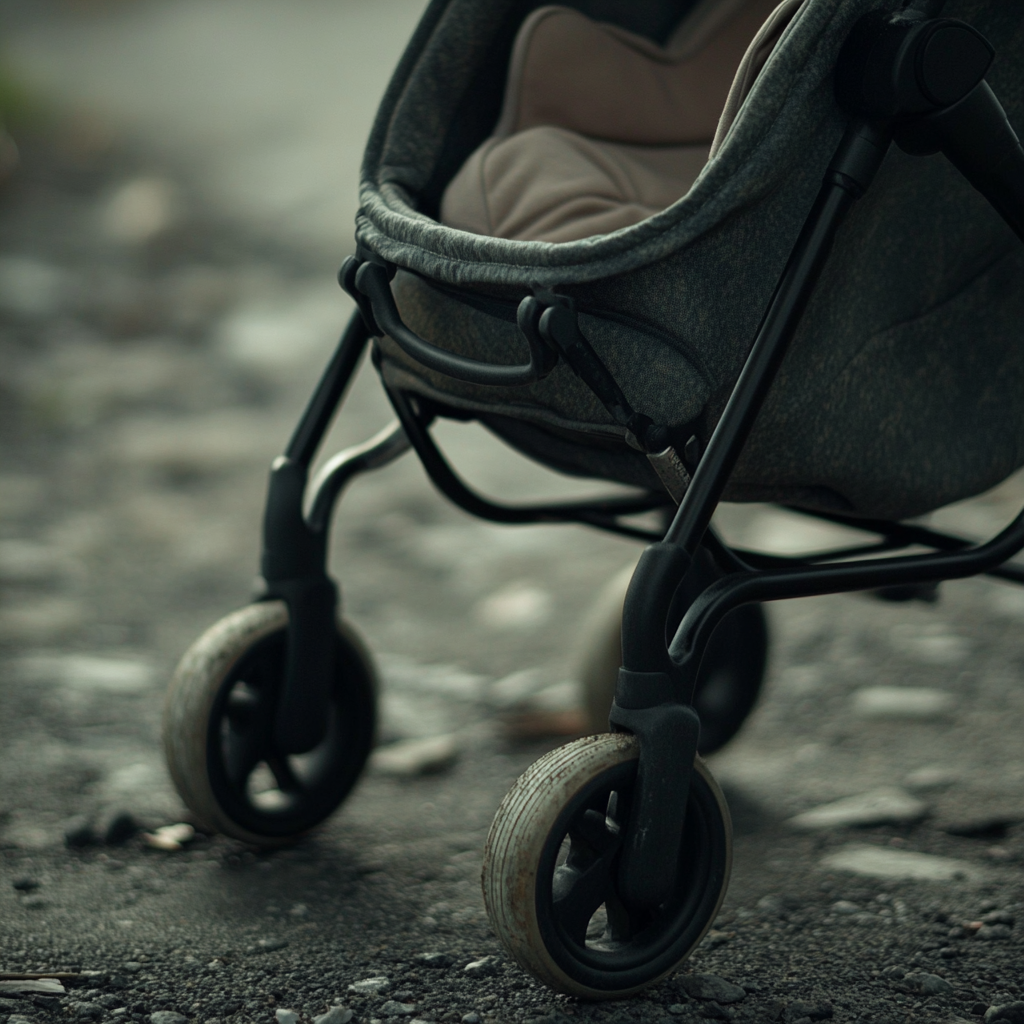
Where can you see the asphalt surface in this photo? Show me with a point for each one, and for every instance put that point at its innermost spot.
(159, 332)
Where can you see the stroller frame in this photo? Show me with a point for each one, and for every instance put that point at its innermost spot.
(893, 91)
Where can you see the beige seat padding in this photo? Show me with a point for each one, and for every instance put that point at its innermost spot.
(604, 82)
(552, 185)
(601, 128)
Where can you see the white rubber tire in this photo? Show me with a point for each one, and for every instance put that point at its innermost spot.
(189, 702)
(517, 839)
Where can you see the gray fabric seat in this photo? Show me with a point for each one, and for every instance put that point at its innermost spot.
(902, 390)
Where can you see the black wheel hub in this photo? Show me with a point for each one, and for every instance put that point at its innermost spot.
(262, 789)
(585, 925)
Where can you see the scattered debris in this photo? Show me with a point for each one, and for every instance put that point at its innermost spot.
(410, 758)
(880, 862)
(879, 806)
(710, 986)
(482, 968)
(369, 986)
(170, 837)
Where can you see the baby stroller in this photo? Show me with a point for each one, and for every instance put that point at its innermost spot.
(808, 295)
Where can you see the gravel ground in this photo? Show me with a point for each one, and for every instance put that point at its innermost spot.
(154, 355)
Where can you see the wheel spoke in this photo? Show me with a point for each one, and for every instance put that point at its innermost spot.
(585, 881)
(287, 780)
(242, 751)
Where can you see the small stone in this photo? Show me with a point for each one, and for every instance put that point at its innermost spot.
(880, 806)
(915, 702)
(482, 968)
(298, 910)
(471, 1018)
(715, 938)
(270, 943)
(79, 833)
(994, 932)
(886, 862)
(931, 777)
(170, 837)
(369, 986)
(25, 884)
(335, 1015)
(895, 973)
(926, 985)
(710, 987)
(713, 1011)
(1008, 1013)
(986, 826)
(131, 967)
(40, 986)
(17, 1018)
(284, 1016)
(845, 908)
(393, 1008)
(166, 1017)
(678, 1008)
(801, 1010)
(117, 828)
(415, 757)
(35, 902)
(438, 961)
(998, 917)
(93, 1011)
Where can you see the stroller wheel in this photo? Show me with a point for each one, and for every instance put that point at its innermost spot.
(218, 730)
(550, 863)
(731, 673)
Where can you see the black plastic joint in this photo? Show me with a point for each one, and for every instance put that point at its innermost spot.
(859, 157)
(649, 865)
(638, 690)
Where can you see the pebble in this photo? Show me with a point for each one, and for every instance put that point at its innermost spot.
(711, 987)
(117, 828)
(1009, 1013)
(998, 917)
(270, 943)
(437, 961)
(471, 1018)
(881, 862)
(415, 757)
(987, 826)
(369, 986)
(482, 968)
(166, 1017)
(170, 837)
(877, 807)
(801, 1010)
(393, 1008)
(335, 1015)
(41, 986)
(17, 1018)
(284, 1016)
(78, 832)
(994, 932)
(916, 702)
(931, 777)
(921, 984)
(678, 1008)
(715, 1012)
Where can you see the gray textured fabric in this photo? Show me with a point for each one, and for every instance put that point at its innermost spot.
(902, 391)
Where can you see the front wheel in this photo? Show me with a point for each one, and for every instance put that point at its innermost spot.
(550, 863)
(219, 723)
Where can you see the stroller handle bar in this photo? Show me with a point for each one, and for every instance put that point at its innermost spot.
(369, 283)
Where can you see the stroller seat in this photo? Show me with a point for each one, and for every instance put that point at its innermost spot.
(601, 128)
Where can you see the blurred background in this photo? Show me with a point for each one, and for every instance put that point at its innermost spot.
(179, 187)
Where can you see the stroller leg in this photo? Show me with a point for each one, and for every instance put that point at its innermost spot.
(609, 858)
(283, 678)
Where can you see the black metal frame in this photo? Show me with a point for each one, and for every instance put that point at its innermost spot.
(894, 87)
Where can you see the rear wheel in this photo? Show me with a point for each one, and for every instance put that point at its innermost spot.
(731, 673)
